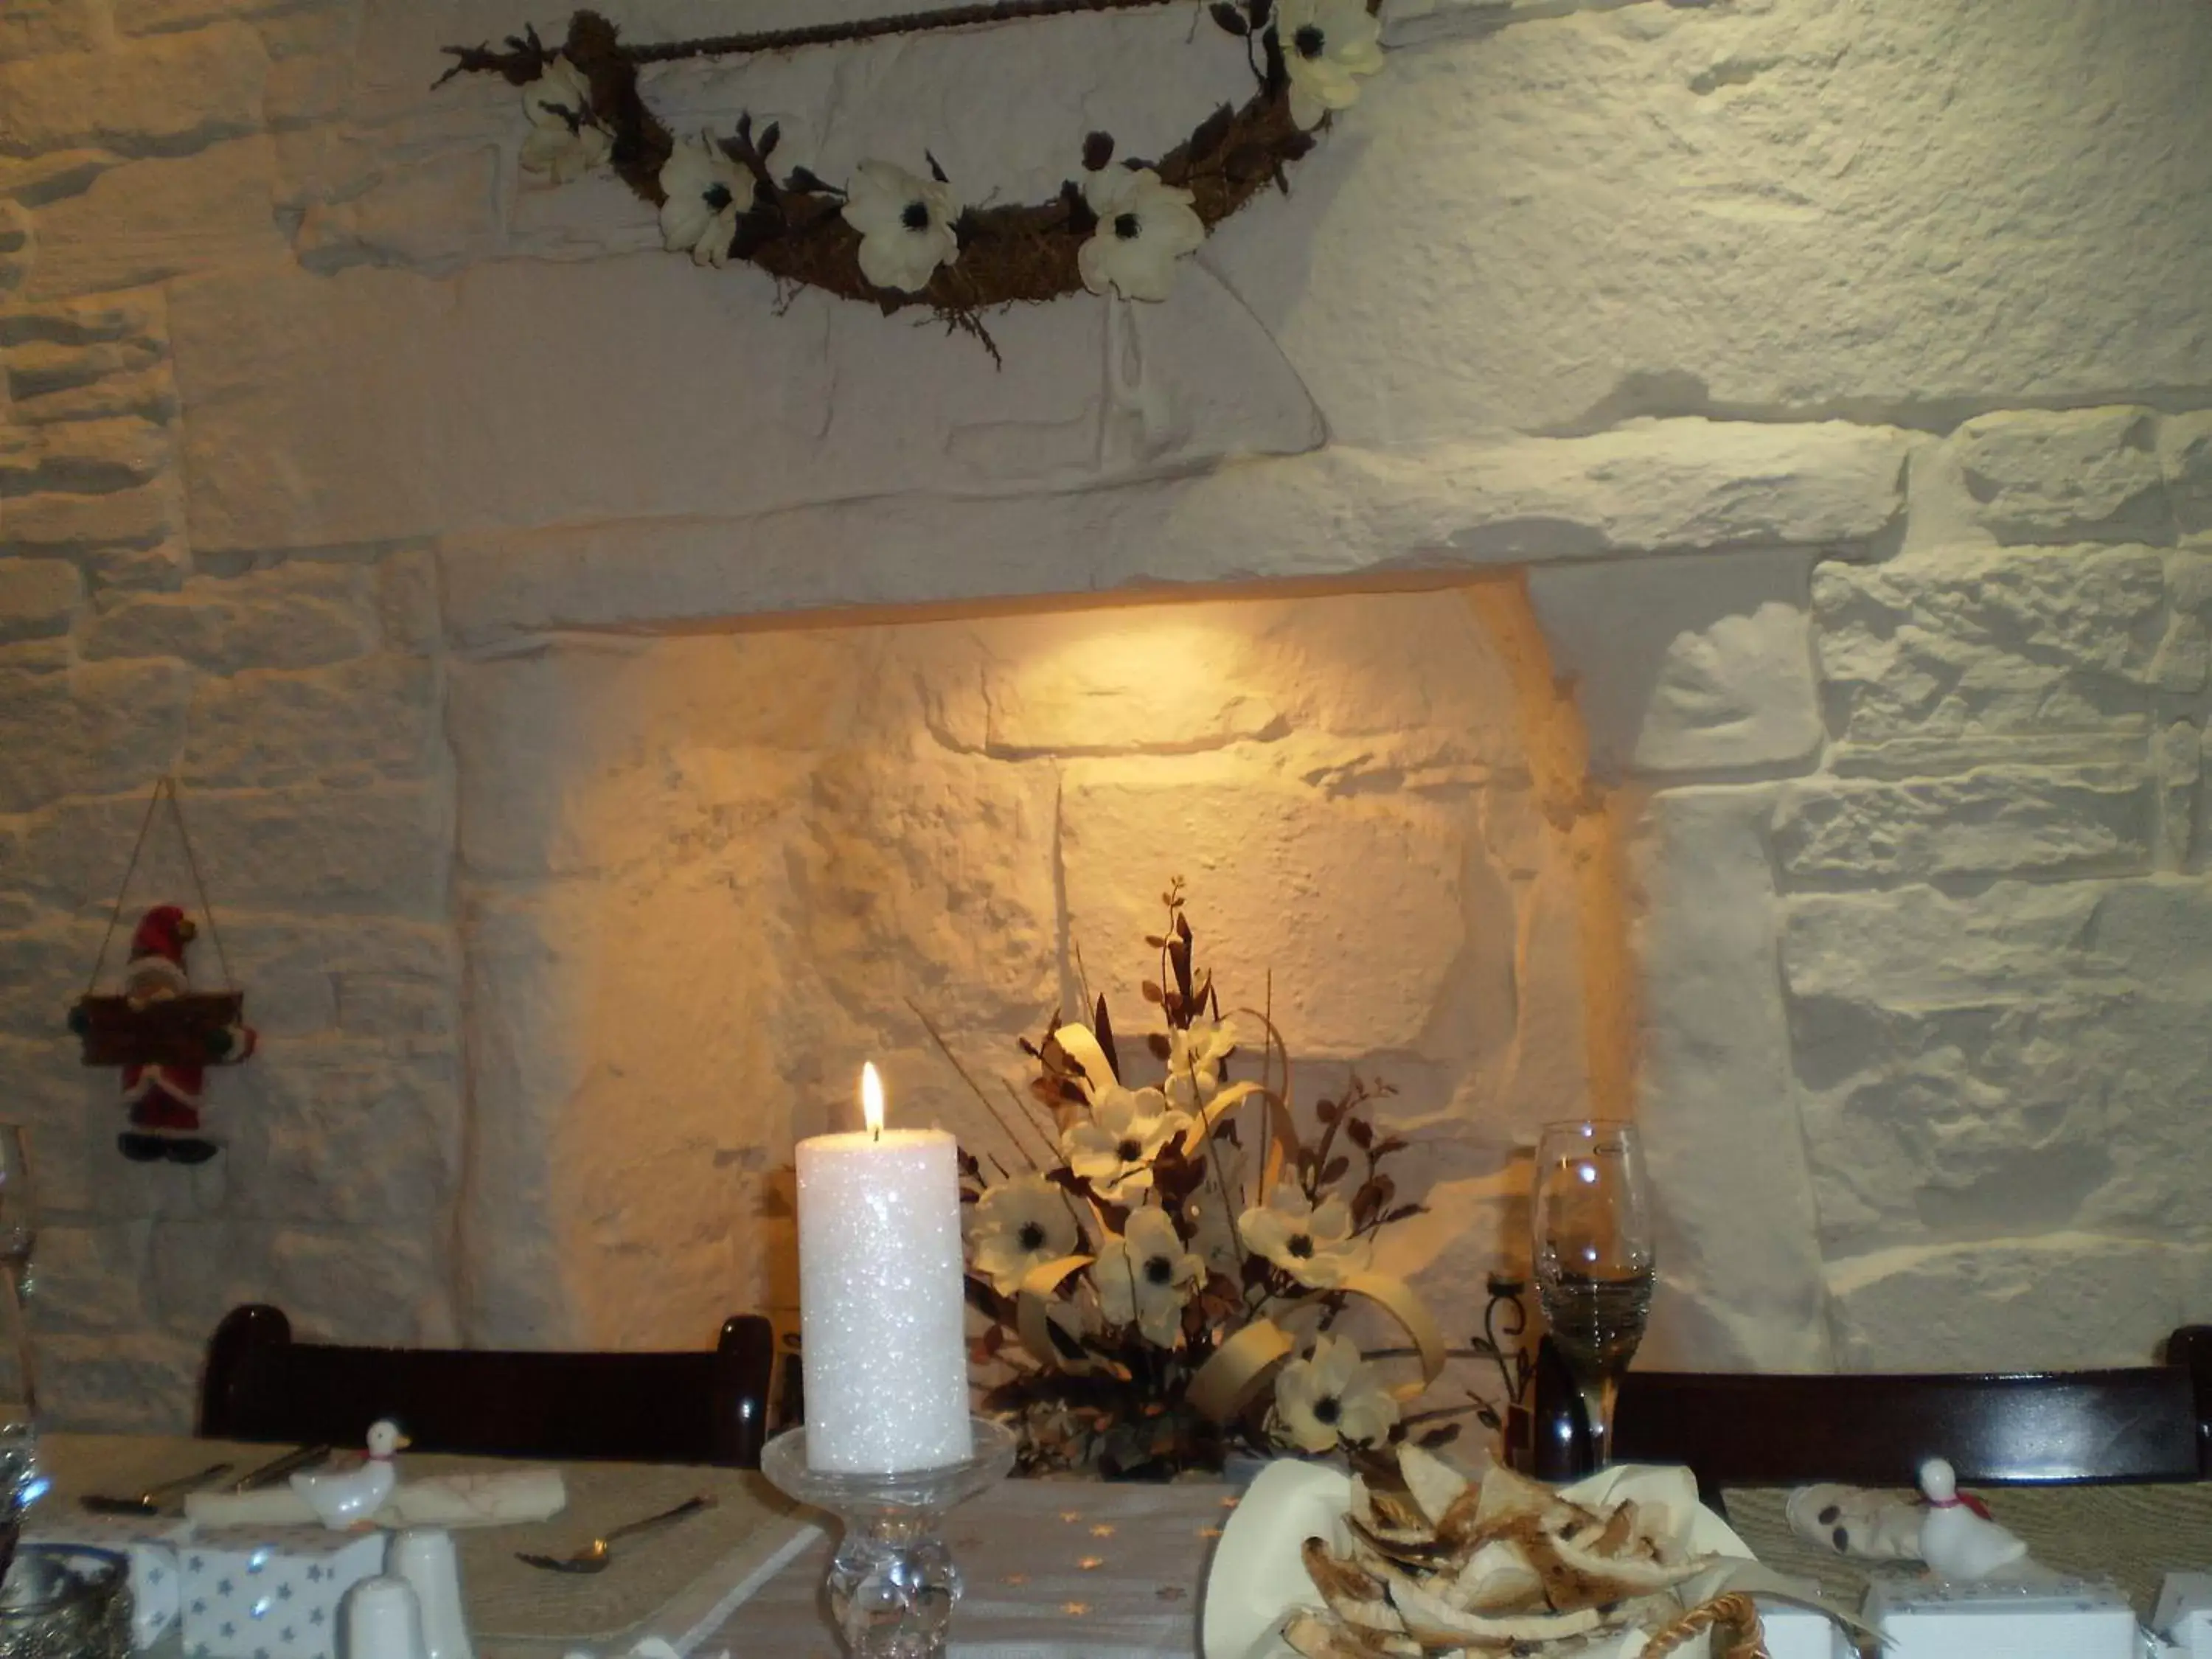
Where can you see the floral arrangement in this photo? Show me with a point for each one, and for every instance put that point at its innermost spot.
(1164, 1267)
(894, 236)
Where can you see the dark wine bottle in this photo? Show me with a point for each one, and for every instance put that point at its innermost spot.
(1559, 1436)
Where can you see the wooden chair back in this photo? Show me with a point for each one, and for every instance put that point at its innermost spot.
(702, 1407)
(2147, 1423)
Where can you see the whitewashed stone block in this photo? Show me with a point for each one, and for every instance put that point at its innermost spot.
(1995, 820)
(2040, 1075)
(1767, 273)
(1280, 877)
(377, 717)
(125, 520)
(1741, 1281)
(1685, 664)
(29, 28)
(1969, 644)
(2179, 758)
(2064, 1302)
(88, 458)
(15, 246)
(299, 615)
(100, 728)
(157, 218)
(931, 877)
(341, 1131)
(388, 845)
(437, 215)
(152, 16)
(1915, 945)
(375, 1284)
(2185, 448)
(122, 1383)
(2091, 475)
(161, 567)
(39, 367)
(306, 973)
(38, 596)
(530, 1053)
(35, 1001)
(1692, 484)
(90, 1278)
(65, 1109)
(539, 794)
(179, 91)
(407, 601)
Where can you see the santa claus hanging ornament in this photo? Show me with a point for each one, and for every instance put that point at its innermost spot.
(163, 1033)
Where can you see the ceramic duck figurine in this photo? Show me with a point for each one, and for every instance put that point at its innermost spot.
(341, 1501)
(1957, 1541)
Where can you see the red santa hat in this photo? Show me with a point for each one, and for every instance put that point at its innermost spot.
(163, 931)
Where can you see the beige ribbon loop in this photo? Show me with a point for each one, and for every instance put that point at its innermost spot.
(1395, 1297)
(1089, 1059)
(1033, 1312)
(1228, 1100)
(1227, 1382)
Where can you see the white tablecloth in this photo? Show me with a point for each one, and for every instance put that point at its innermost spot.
(1054, 1570)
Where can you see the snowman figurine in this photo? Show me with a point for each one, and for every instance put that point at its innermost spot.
(1957, 1539)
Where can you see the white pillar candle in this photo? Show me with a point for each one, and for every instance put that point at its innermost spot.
(880, 1306)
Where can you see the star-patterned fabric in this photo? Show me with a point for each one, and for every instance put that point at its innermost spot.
(272, 1592)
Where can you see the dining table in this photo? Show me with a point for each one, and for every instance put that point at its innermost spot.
(1054, 1569)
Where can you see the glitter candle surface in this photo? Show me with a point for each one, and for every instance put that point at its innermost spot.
(880, 1305)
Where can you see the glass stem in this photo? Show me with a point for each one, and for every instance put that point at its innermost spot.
(1597, 1395)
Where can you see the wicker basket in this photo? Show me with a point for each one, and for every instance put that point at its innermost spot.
(1734, 1620)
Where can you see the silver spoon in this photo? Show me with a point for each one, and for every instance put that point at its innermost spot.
(598, 1555)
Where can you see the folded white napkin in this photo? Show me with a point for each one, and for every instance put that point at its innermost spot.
(506, 1499)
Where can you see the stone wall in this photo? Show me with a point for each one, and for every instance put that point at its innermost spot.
(1839, 371)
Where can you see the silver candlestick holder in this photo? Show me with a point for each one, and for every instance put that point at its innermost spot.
(892, 1583)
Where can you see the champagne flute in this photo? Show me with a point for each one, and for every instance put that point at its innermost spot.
(1593, 1252)
(19, 1208)
(21, 1481)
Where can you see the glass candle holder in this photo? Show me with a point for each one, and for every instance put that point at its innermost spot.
(892, 1583)
(65, 1601)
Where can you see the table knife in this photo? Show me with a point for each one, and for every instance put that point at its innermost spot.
(280, 1468)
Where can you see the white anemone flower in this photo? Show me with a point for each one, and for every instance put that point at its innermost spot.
(1147, 1275)
(566, 139)
(1334, 1396)
(1311, 1243)
(1114, 1148)
(1327, 45)
(706, 194)
(905, 223)
(1194, 1058)
(1143, 227)
(1016, 1225)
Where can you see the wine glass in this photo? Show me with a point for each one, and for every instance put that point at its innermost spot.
(1592, 1224)
(20, 1479)
(19, 1208)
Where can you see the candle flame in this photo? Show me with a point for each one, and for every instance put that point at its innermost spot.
(872, 1098)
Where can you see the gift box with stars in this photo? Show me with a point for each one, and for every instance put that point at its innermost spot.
(271, 1592)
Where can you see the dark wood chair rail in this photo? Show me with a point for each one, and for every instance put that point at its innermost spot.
(2147, 1423)
(709, 1407)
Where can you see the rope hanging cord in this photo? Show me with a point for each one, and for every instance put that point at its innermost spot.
(164, 788)
(913, 22)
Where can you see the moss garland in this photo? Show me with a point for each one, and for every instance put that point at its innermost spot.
(1019, 253)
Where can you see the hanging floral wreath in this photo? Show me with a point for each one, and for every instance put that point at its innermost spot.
(896, 238)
